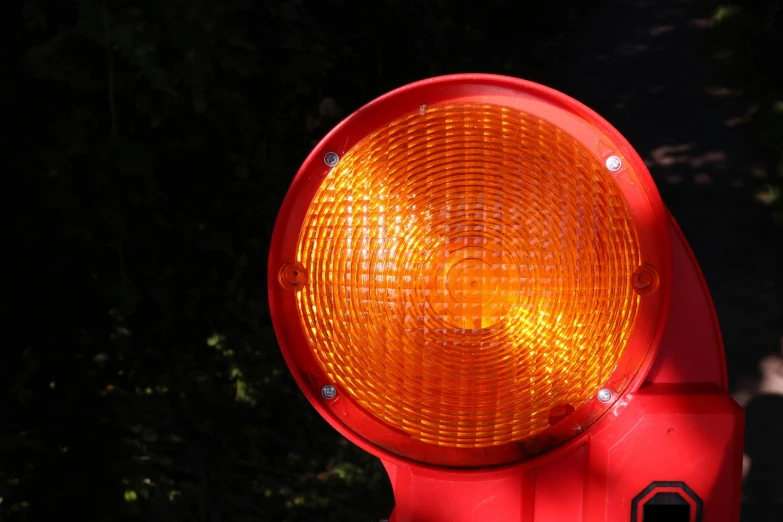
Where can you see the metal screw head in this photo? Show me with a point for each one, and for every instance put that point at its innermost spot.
(605, 395)
(331, 159)
(614, 163)
(328, 392)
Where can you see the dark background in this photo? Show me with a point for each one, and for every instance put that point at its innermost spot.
(150, 144)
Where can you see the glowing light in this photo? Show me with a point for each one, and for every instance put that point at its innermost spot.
(489, 279)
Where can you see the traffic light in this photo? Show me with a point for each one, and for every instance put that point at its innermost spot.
(474, 278)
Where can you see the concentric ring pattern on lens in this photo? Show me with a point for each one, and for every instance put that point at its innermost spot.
(469, 270)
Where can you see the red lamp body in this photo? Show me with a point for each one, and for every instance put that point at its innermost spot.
(670, 444)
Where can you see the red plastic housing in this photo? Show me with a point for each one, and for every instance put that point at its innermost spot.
(672, 430)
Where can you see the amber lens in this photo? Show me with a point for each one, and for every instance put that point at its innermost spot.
(469, 269)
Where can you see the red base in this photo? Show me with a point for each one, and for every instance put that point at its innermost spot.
(666, 433)
(681, 429)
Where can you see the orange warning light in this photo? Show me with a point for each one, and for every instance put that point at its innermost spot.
(468, 262)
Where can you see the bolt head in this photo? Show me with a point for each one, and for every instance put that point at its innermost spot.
(605, 395)
(328, 392)
(613, 163)
(331, 159)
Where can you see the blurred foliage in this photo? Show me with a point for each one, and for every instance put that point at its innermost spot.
(749, 41)
(153, 142)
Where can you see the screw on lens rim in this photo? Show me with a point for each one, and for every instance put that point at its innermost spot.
(331, 159)
(613, 163)
(605, 395)
(328, 392)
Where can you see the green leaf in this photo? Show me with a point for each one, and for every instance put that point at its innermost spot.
(725, 12)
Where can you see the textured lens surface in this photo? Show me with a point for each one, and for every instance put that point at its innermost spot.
(469, 270)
